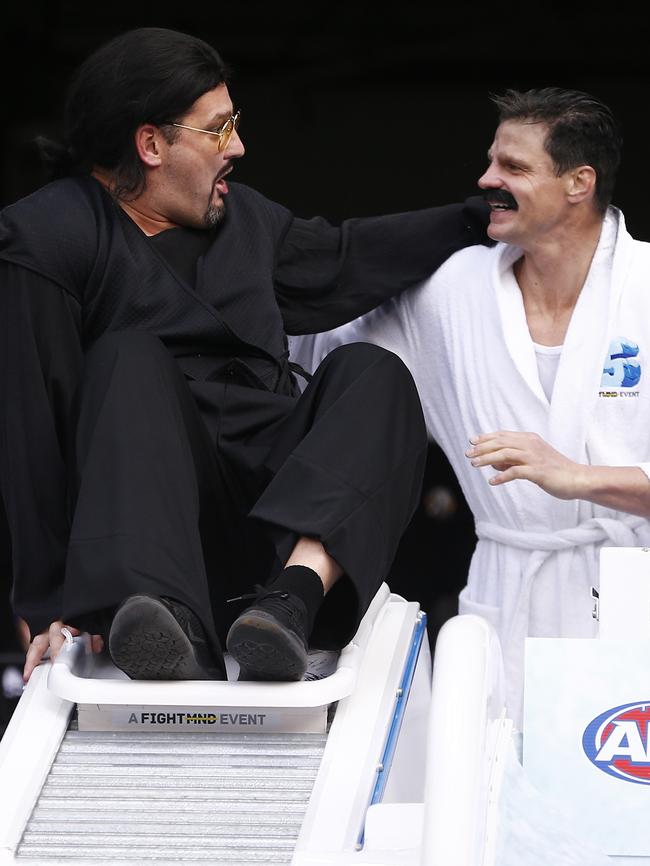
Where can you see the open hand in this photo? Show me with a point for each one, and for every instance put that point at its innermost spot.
(527, 455)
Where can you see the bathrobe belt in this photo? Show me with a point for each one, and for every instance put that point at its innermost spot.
(620, 531)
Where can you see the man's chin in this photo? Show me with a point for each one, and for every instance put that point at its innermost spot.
(499, 230)
(214, 215)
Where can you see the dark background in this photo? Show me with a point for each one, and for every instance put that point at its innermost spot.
(349, 109)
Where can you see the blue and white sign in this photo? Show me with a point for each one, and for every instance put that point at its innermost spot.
(616, 742)
(586, 713)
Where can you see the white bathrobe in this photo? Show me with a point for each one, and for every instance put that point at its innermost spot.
(463, 334)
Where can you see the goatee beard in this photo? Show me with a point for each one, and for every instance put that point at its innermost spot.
(214, 215)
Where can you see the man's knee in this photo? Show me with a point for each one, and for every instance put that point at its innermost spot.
(373, 364)
(362, 356)
(384, 377)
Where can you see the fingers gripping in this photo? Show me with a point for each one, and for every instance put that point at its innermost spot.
(49, 640)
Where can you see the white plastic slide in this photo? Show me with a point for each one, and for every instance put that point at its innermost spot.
(367, 765)
(97, 769)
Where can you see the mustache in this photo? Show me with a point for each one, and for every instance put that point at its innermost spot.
(500, 196)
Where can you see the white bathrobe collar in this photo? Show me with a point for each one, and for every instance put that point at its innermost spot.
(580, 368)
(510, 305)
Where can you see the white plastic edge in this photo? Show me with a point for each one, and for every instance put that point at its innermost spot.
(348, 770)
(467, 699)
(27, 750)
(65, 681)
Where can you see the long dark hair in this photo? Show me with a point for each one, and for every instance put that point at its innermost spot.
(149, 75)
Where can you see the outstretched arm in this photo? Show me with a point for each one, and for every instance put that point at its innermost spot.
(528, 456)
(327, 275)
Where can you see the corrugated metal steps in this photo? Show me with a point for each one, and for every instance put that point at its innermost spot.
(174, 797)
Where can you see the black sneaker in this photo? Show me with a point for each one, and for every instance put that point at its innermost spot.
(153, 638)
(269, 639)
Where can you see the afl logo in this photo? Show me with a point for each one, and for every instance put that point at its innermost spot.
(617, 742)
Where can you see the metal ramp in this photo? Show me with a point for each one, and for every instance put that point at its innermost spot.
(173, 797)
(237, 773)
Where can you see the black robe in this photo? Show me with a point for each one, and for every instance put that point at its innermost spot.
(73, 267)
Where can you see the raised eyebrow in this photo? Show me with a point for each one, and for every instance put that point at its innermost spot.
(221, 118)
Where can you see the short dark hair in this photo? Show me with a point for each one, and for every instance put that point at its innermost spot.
(581, 131)
(149, 75)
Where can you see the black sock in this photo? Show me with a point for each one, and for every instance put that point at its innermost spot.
(306, 584)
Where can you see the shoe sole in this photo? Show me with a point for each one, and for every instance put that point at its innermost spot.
(147, 643)
(264, 649)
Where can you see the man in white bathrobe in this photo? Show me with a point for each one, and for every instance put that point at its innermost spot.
(548, 332)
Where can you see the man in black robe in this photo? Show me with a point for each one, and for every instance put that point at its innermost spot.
(158, 458)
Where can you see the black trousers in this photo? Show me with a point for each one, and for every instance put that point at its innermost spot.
(198, 490)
